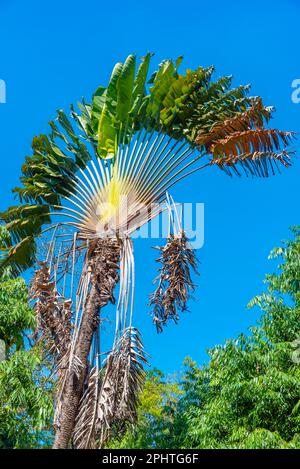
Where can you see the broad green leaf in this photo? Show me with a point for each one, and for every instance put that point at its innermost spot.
(107, 132)
(125, 89)
(97, 106)
(162, 82)
(140, 83)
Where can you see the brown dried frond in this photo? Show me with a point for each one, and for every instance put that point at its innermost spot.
(254, 117)
(53, 313)
(84, 430)
(250, 141)
(243, 142)
(175, 282)
(259, 164)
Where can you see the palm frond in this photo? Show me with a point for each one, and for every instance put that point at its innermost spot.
(257, 152)
(248, 141)
(122, 381)
(259, 164)
(53, 313)
(23, 223)
(19, 257)
(254, 117)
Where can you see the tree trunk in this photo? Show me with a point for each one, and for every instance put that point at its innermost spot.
(103, 258)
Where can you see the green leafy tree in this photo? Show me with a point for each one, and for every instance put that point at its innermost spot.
(25, 393)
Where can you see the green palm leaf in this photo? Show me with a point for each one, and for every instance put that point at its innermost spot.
(107, 132)
(125, 90)
(139, 88)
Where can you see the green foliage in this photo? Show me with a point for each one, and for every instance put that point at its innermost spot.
(15, 313)
(248, 396)
(23, 223)
(26, 405)
(107, 131)
(118, 107)
(25, 398)
(157, 403)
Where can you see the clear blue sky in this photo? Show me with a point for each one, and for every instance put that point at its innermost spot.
(54, 52)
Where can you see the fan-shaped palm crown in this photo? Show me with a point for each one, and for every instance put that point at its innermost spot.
(137, 138)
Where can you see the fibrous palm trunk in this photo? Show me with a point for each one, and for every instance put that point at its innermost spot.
(102, 262)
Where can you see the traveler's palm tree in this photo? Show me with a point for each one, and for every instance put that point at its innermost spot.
(106, 171)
